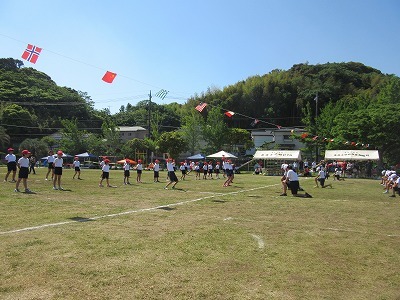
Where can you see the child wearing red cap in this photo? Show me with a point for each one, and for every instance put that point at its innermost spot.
(106, 173)
(23, 166)
(58, 168)
(171, 173)
(183, 169)
(127, 173)
(156, 169)
(11, 164)
(50, 165)
(139, 169)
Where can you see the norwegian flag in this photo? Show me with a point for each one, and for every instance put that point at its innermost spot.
(31, 53)
(229, 114)
(201, 106)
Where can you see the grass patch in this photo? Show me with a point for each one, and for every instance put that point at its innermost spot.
(201, 241)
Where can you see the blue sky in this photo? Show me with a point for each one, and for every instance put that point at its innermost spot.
(187, 46)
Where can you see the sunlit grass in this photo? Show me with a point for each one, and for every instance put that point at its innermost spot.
(200, 241)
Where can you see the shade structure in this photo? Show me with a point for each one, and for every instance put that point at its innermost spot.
(196, 156)
(278, 154)
(351, 155)
(86, 155)
(221, 154)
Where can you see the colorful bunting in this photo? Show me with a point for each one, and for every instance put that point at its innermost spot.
(109, 77)
(229, 114)
(31, 53)
(254, 123)
(162, 94)
(201, 106)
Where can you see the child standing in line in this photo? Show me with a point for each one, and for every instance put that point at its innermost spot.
(127, 167)
(205, 170)
(23, 166)
(183, 169)
(210, 170)
(50, 165)
(139, 169)
(77, 166)
(156, 169)
(58, 168)
(11, 164)
(106, 173)
(217, 167)
(197, 170)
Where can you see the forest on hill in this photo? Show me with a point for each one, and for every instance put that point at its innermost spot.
(340, 105)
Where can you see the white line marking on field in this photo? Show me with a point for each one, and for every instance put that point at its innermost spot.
(133, 211)
(259, 241)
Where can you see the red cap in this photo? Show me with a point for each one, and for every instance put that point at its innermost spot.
(157, 161)
(10, 149)
(25, 152)
(59, 152)
(139, 161)
(106, 160)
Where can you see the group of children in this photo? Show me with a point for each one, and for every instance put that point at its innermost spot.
(391, 181)
(55, 170)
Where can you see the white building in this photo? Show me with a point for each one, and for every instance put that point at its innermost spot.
(131, 132)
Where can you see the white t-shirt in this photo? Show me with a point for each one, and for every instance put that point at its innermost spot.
(58, 162)
(127, 166)
(156, 167)
(50, 159)
(139, 167)
(10, 157)
(292, 176)
(106, 168)
(76, 164)
(170, 167)
(321, 174)
(23, 162)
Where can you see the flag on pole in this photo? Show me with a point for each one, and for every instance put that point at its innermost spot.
(109, 77)
(162, 94)
(31, 53)
(255, 122)
(201, 106)
(229, 114)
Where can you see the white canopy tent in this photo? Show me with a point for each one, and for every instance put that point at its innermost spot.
(343, 155)
(277, 154)
(221, 154)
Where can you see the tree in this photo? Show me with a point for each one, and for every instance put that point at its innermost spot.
(36, 146)
(4, 137)
(215, 131)
(191, 130)
(73, 139)
(172, 142)
(240, 138)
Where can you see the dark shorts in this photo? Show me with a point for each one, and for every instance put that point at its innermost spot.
(172, 176)
(77, 169)
(210, 171)
(58, 171)
(321, 181)
(127, 173)
(12, 166)
(216, 171)
(183, 172)
(205, 172)
(294, 187)
(139, 171)
(50, 166)
(23, 172)
(105, 175)
(156, 174)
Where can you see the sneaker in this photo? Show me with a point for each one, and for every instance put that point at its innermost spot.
(46, 179)
(165, 188)
(284, 194)
(54, 188)
(100, 185)
(28, 191)
(386, 192)
(60, 188)
(17, 190)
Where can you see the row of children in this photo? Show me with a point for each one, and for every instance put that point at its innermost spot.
(391, 181)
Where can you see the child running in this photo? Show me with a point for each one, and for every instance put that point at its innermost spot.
(171, 174)
(23, 166)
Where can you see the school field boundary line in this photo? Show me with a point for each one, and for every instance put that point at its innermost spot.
(33, 228)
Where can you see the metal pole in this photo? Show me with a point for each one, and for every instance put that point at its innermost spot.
(150, 115)
(316, 129)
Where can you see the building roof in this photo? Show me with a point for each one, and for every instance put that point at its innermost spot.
(131, 128)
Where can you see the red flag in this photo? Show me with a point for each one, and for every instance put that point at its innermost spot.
(31, 53)
(304, 135)
(201, 106)
(229, 114)
(109, 77)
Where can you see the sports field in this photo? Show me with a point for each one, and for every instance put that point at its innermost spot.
(199, 241)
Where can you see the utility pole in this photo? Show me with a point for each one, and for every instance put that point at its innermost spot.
(316, 129)
(150, 115)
